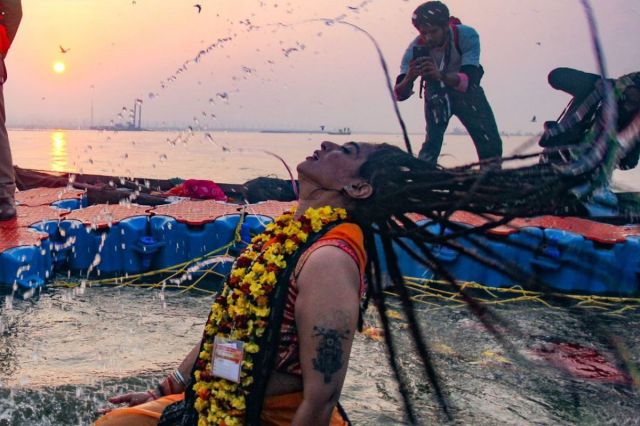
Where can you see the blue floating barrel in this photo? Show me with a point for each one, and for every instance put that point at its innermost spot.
(106, 251)
(27, 267)
(628, 256)
(256, 223)
(173, 235)
(184, 242)
(72, 203)
(50, 227)
(59, 251)
(127, 258)
(560, 261)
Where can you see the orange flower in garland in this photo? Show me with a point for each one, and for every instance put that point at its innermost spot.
(241, 311)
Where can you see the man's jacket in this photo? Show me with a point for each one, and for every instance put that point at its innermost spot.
(10, 16)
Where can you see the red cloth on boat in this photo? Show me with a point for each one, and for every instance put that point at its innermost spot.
(199, 189)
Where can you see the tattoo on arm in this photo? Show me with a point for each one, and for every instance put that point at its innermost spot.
(328, 358)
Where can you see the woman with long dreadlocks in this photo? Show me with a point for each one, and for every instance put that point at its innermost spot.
(276, 345)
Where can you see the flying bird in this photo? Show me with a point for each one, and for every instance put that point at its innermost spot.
(538, 43)
(534, 119)
(199, 7)
(63, 50)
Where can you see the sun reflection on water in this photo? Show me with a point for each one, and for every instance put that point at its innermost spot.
(59, 155)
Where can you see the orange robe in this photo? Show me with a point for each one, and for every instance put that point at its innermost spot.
(277, 411)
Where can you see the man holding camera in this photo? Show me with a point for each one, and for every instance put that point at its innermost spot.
(446, 57)
(10, 16)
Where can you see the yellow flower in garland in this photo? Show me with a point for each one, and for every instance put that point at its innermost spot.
(241, 311)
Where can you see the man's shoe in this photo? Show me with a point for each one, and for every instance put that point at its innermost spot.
(7, 210)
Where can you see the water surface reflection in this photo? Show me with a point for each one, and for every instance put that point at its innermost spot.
(59, 154)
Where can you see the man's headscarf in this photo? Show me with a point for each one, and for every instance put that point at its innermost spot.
(431, 13)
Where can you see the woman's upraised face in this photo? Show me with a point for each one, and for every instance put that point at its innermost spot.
(335, 166)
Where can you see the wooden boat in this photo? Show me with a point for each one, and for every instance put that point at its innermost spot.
(569, 254)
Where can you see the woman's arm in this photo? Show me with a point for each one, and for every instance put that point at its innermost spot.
(168, 386)
(326, 318)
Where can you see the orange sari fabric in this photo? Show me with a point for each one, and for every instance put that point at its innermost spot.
(277, 411)
(146, 414)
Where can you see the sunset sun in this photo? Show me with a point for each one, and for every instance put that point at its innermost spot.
(59, 67)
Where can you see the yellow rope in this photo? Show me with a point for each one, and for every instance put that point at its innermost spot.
(173, 271)
(435, 294)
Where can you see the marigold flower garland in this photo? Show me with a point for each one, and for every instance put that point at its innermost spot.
(241, 311)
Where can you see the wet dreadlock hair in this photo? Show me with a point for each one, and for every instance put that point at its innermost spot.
(431, 13)
(403, 184)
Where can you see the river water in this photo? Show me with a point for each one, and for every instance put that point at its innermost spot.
(63, 351)
(222, 156)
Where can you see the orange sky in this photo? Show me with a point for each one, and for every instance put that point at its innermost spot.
(126, 50)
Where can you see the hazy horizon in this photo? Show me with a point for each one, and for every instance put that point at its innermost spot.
(271, 65)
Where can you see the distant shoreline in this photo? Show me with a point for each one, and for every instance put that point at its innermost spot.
(289, 131)
(241, 130)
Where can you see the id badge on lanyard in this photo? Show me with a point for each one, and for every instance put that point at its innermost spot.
(227, 358)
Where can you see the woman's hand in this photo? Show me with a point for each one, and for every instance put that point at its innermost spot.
(131, 399)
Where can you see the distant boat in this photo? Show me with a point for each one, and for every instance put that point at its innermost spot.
(343, 131)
